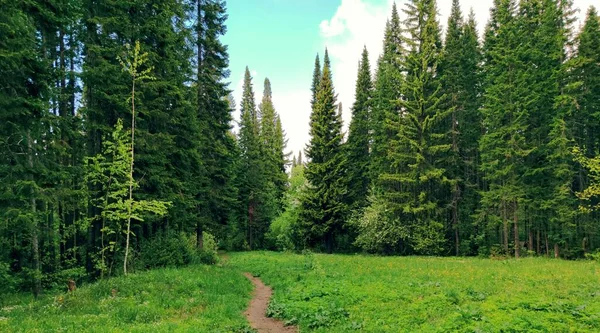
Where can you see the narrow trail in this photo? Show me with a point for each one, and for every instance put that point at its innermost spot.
(257, 310)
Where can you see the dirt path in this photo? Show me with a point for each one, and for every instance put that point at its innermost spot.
(257, 310)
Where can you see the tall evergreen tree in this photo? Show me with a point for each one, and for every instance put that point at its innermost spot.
(273, 141)
(323, 203)
(217, 198)
(359, 137)
(503, 146)
(459, 71)
(421, 143)
(253, 191)
(386, 94)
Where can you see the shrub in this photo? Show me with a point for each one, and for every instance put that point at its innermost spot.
(209, 254)
(8, 282)
(166, 250)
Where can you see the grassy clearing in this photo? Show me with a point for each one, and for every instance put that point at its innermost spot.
(192, 299)
(336, 293)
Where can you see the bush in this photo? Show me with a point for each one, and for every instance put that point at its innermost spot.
(166, 250)
(378, 230)
(593, 256)
(8, 282)
(208, 255)
(176, 249)
(280, 233)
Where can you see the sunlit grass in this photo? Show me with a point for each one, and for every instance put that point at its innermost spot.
(337, 293)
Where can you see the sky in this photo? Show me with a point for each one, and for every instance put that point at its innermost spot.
(279, 39)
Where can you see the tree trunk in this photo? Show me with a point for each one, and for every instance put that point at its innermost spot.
(199, 235)
(556, 254)
(538, 242)
(516, 228)
(35, 246)
(455, 195)
(130, 208)
(505, 225)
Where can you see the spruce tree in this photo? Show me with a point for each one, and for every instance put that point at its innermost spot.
(217, 199)
(323, 202)
(315, 82)
(273, 141)
(420, 145)
(253, 191)
(460, 73)
(358, 143)
(386, 96)
(503, 146)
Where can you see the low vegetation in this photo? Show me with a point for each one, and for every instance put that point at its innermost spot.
(198, 298)
(341, 293)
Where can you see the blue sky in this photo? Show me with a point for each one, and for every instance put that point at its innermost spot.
(279, 39)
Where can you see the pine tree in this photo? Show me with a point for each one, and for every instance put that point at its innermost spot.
(459, 71)
(323, 207)
(452, 77)
(24, 104)
(503, 146)
(273, 141)
(386, 94)
(315, 82)
(217, 199)
(252, 189)
(359, 136)
(420, 145)
(587, 72)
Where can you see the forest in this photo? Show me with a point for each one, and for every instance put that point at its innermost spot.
(119, 151)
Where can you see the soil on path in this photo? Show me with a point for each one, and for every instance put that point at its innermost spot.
(257, 310)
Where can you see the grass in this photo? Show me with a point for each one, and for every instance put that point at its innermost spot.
(192, 299)
(338, 293)
(330, 293)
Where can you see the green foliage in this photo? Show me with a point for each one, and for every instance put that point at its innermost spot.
(378, 230)
(174, 249)
(109, 172)
(346, 293)
(284, 232)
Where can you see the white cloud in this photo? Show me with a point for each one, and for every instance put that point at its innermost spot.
(357, 23)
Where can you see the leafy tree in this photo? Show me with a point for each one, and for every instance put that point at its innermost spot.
(110, 172)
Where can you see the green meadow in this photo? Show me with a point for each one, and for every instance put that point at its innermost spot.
(192, 299)
(339, 293)
(329, 293)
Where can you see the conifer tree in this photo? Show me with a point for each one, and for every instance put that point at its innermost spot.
(459, 70)
(323, 202)
(503, 146)
(587, 73)
(420, 145)
(386, 95)
(315, 82)
(359, 136)
(217, 199)
(273, 141)
(252, 187)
